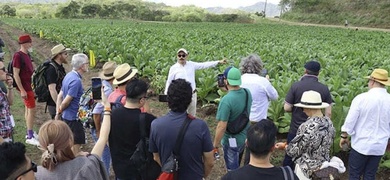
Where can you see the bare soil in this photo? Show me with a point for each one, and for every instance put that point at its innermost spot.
(42, 51)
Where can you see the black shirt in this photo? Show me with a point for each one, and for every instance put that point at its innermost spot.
(249, 172)
(307, 83)
(53, 77)
(124, 136)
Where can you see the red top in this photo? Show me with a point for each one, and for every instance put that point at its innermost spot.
(26, 69)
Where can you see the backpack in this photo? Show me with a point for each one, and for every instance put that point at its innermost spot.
(287, 173)
(10, 67)
(117, 103)
(239, 124)
(86, 106)
(142, 159)
(39, 84)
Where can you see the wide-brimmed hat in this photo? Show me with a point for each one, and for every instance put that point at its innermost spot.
(123, 73)
(182, 50)
(311, 100)
(380, 76)
(233, 76)
(24, 39)
(108, 70)
(60, 48)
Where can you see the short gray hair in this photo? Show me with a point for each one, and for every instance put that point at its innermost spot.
(78, 60)
(251, 64)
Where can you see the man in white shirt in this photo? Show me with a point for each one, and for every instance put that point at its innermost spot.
(261, 89)
(184, 69)
(368, 124)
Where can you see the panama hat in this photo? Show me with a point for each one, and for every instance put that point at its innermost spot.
(108, 70)
(311, 100)
(58, 49)
(124, 73)
(380, 76)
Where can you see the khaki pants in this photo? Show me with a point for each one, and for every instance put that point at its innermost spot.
(192, 107)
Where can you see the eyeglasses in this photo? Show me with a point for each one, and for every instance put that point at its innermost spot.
(181, 55)
(3, 69)
(145, 97)
(33, 168)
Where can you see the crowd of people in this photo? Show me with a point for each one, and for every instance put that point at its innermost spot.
(117, 129)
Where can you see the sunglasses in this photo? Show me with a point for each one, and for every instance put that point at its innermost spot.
(33, 168)
(181, 55)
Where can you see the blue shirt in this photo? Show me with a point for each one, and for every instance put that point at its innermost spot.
(72, 86)
(197, 140)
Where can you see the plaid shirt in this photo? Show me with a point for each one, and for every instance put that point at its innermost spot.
(5, 116)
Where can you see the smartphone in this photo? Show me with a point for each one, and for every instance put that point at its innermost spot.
(220, 79)
(96, 88)
(264, 72)
(163, 98)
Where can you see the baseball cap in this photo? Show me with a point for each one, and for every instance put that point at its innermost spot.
(233, 76)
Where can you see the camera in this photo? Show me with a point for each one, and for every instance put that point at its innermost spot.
(220, 81)
(163, 98)
(264, 72)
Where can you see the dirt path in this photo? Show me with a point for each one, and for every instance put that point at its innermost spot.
(352, 27)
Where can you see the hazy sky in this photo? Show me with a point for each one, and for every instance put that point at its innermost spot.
(213, 3)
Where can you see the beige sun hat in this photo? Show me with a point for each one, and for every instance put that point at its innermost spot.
(311, 100)
(108, 70)
(182, 50)
(380, 76)
(60, 48)
(123, 73)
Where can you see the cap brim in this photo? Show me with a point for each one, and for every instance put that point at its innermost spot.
(234, 82)
(133, 72)
(322, 106)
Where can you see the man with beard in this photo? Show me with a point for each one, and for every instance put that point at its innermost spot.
(54, 75)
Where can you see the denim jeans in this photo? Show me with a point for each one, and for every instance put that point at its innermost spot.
(287, 161)
(106, 156)
(362, 165)
(232, 156)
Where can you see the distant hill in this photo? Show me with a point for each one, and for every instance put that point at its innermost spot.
(34, 1)
(271, 11)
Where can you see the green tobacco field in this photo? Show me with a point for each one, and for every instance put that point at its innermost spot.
(346, 55)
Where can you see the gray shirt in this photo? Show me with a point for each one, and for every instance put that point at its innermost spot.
(79, 168)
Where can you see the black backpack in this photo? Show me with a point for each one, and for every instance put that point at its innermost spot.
(39, 84)
(142, 159)
(10, 67)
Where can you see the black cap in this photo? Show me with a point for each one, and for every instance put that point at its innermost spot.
(313, 66)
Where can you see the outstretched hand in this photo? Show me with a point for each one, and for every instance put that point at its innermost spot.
(223, 61)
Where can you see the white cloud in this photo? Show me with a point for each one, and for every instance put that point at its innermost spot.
(213, 3)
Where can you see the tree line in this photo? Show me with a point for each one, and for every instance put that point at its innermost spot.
(118, 9)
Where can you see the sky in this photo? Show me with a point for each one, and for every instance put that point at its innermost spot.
(213, 3)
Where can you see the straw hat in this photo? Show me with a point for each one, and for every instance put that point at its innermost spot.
(108, 70)
(124, 73)
(58, 49)
(380, 76)
(311, 100)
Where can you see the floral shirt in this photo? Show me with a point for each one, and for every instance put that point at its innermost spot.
(311, 146)
(5, 116)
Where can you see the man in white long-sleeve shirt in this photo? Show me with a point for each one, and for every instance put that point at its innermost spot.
(184, 69)
(368, 124)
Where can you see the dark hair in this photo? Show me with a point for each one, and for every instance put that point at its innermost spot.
(12, 157)
(179, 95)
(135, 89)
(312, 72)
(261, 137)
